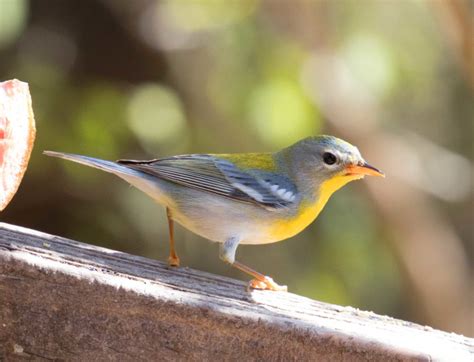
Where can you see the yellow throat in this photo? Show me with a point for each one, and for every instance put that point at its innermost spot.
(309, 210)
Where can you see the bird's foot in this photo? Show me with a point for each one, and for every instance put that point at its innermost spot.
(173, 261)
(267, 284)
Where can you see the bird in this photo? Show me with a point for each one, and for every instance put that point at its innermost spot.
(242, 198)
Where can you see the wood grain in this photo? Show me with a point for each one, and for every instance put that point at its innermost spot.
(62, 299)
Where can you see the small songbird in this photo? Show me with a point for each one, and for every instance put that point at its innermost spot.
(250, 198)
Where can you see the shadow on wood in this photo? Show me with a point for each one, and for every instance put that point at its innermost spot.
(61, 299)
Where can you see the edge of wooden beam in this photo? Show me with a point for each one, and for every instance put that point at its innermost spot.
(214, 307)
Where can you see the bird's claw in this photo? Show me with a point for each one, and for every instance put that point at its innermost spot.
(267, 284)
(173, 262)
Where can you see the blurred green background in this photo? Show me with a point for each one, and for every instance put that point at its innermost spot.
(147, 78)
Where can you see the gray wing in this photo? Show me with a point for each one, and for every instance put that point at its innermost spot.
(218, 176)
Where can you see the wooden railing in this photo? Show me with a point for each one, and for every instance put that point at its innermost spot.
(62, 299)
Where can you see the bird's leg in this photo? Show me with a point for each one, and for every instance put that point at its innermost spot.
(227, 254)
(173, 259)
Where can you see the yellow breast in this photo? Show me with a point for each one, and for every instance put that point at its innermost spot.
(309, 210)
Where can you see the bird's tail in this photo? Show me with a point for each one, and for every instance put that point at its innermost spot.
(103, 165)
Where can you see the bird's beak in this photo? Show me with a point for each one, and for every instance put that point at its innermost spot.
(363, 169)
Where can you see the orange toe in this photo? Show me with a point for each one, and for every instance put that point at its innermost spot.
(267, 284)
(173, 261)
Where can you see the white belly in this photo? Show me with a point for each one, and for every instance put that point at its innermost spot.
(223, 218)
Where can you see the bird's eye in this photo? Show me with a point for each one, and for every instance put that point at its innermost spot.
(329, 158)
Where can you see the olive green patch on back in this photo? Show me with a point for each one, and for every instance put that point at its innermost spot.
(249, 161)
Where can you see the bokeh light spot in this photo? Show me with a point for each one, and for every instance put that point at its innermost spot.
(156, 116)
(201, 15)
(281, 113)
(12, 20)
(369, 59)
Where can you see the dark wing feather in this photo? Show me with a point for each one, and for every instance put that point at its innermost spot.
(212, 174)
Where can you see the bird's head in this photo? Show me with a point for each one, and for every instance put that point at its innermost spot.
(328, 163)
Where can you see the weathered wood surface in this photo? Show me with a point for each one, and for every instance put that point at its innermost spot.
(61, 299)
